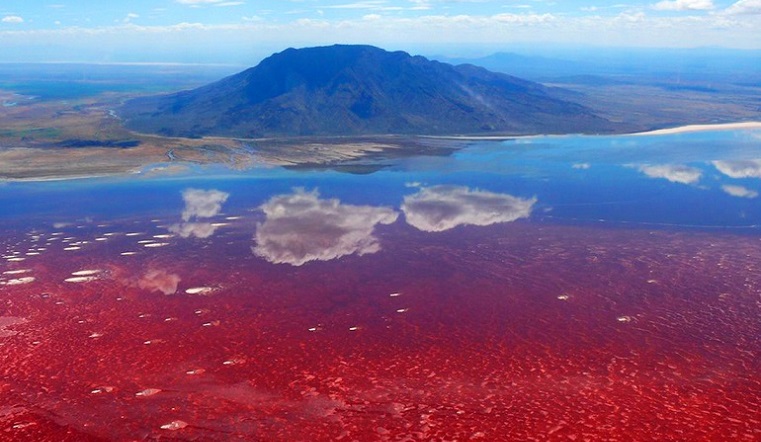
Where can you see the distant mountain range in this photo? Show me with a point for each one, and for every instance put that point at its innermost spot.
(361, 90)
(625, 65)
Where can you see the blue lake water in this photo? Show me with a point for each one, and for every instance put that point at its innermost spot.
(706, 179)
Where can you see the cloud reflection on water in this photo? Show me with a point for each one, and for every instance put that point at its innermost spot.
(440, 208)
(671, 172)
(739, 191)
(301, 227)
(202, 203)
(199, 230)
(739, 168)
(199, 204)
(156, 280)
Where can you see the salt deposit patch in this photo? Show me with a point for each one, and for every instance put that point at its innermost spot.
(79, 279)
(174, 425)
(101, 390)
(199, 290)
(86, 272)
(156, 244)
(148, 392)
(19, 281)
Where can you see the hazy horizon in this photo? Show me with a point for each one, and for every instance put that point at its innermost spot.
(220, 31)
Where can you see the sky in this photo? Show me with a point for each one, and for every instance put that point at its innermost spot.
(233, 31)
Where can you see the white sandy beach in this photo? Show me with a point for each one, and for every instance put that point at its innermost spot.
(745, 125)
(703, 128)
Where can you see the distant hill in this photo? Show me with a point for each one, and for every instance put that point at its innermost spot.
(361, 90)
(533, 68)
(625, 65)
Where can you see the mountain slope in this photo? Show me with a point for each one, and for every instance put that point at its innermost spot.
(360, 90)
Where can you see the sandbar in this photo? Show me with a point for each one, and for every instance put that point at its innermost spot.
(703, 128)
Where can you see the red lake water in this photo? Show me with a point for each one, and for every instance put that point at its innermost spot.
(397, 306)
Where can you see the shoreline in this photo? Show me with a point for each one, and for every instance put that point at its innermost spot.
(358, 151)
(691, 128)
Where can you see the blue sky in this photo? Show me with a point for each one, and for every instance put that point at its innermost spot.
(232, 30)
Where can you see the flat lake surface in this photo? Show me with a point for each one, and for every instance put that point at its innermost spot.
(545, 288)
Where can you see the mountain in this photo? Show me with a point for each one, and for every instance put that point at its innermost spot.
(360, 90)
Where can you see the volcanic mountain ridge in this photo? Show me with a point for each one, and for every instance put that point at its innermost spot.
(361, 90)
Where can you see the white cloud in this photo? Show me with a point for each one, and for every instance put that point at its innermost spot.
(739, 168)
(12, 19)
(129, 17)
(369, 4)
(439, 208)
(190, 41)
(301, 227)
(523, 18)
(745, 7)
(198, 2)
(582, 166)
(739, 191)
(684, 5)
(202, 203)
(673, 173)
